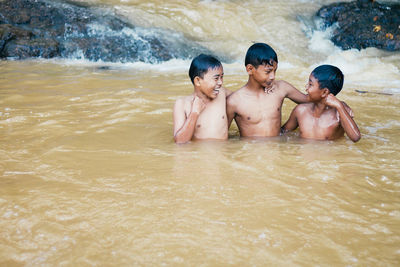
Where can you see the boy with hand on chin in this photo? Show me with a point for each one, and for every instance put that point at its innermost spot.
(256, 107)
(202, 115)
(326, 117)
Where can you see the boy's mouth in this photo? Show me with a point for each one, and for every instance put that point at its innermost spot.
(216, 91)
(269, 85)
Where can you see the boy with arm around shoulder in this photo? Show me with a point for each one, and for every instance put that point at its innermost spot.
(202, 115)
(326, 117)
(256, 107)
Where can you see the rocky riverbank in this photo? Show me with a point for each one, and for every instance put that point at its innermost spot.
(47, 29)
(67, 29)
(363, 23)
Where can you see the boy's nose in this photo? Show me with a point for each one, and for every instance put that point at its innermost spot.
(272, 76)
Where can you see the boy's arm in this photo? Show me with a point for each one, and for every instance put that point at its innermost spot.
(291, 123)
(230, 110)
(295, 95)
(184, 126)
(348, 109)
(346, 121)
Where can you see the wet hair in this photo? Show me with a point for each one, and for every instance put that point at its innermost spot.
(260, 54)
(330, 77)
(201, 64)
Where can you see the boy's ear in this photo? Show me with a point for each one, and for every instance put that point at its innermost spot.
(197, 80)
(249, 68)
(325, 92)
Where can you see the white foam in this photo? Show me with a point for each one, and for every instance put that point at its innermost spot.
(286, 65)
(365, 67)
(167, 66)
(369, 66)
(15, 119)
(320, 42)
(159, 111)
(173, 65)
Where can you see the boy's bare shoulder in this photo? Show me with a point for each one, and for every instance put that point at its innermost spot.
(284, 85)
(183, 102)
(184, 99)
(300, 108)
(240, 90)
(179, 101)
(235, 96)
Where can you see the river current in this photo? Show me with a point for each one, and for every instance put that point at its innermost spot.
(90, 175)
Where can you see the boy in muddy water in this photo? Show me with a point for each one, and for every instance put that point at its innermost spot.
(256, 107)
(325, 117)
(202, 115)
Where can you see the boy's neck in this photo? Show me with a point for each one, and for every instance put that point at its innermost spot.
(254, 85)
(202, 96)
(319, 108)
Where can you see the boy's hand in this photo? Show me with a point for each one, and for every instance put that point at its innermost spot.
(332, 101)
(198, 105)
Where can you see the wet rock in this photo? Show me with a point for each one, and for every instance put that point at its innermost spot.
(44, 28)
(363, 23)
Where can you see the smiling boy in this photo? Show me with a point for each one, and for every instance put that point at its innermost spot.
(326, 117)
(202, 115)
(256, 107)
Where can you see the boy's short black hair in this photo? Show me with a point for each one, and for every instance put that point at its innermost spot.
(260, 54)
(330, 77)
(201, 64)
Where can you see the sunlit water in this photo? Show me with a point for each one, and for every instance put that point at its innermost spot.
(90, 174)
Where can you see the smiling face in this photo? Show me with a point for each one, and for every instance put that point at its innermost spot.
(211, 83)
(264, 74)
(314, 92)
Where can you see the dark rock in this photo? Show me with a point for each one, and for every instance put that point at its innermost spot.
(44, 28)
(363, 23)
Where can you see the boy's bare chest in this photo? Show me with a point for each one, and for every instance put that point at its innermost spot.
(256, 109)
(322, 127)
(214, 114)
(212, 122)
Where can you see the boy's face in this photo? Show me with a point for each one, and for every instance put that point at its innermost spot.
(265, 74)
(314, 93)
(211, 83)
